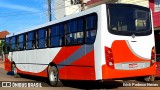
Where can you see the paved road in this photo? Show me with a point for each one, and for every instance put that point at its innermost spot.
(75, 85)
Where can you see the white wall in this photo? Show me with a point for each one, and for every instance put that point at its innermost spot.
(144, 3)
(64, 7)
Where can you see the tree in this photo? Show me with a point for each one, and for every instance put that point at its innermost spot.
(1, 45)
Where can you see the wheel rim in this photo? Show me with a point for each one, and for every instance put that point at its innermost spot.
(14, 70)
(53, 76)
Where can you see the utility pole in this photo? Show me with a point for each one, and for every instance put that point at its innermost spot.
(49, 10)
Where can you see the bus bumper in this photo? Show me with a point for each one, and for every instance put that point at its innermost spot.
(109, 73)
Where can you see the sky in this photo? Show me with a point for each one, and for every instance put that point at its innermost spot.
(19, 15)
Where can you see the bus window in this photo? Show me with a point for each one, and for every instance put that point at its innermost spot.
(30, 39)
(21, 41)
(41, 38)
(131, 21)
(13, 42)
(55, 39)
(75, 32)
(61, 29)
(80, 31)
(71, 38)
(72, 26)
(142, 22)
(91, 29)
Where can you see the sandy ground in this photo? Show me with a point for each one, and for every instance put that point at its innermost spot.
(1, 64)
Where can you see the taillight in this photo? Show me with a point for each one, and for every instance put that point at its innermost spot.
(109, 57)
(153, 56)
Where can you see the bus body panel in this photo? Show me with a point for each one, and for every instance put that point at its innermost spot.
(99, 42)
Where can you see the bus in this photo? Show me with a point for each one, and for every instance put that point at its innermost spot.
(157, 45)
(109, 41)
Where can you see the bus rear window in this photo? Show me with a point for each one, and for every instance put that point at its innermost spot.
(128, 20)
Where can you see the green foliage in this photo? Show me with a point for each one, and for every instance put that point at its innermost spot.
(1, 45)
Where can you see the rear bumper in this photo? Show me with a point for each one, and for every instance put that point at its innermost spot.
(109, 73)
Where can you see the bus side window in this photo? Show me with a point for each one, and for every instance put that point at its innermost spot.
(41, 38)
(91, 29)
(71, 38)
(21, 42)
(55, 39)
(61, 34)
(13, 43)
(48, 33)
(80, 31)
(29, 38)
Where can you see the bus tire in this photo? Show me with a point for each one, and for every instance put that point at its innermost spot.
(14, 70)
(54, 77)
(149, 78)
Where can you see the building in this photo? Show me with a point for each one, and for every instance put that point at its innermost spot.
(67, 7)
(63, 8)
(155, 6)
(92, 3)
(2, 37)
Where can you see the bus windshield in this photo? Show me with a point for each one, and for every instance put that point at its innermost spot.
(128, 20)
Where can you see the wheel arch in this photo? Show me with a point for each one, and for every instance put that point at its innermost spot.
(50, 65)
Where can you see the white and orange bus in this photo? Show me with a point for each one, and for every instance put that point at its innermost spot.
(110, 41)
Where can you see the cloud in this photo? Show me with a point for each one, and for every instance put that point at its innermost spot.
(17, 7)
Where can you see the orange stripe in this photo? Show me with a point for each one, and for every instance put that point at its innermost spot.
(122, 53)
(7, 63)
(109, 73)
(87, 60)
(79, 69)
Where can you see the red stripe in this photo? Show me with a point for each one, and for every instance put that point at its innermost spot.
(64, 53)
(81, 69)
(7, 63)
(122, 53)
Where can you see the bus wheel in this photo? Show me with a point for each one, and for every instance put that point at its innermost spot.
(14, 70)
(53, 76)
(149, 78)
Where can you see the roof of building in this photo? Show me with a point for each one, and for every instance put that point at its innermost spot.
(3, 34)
